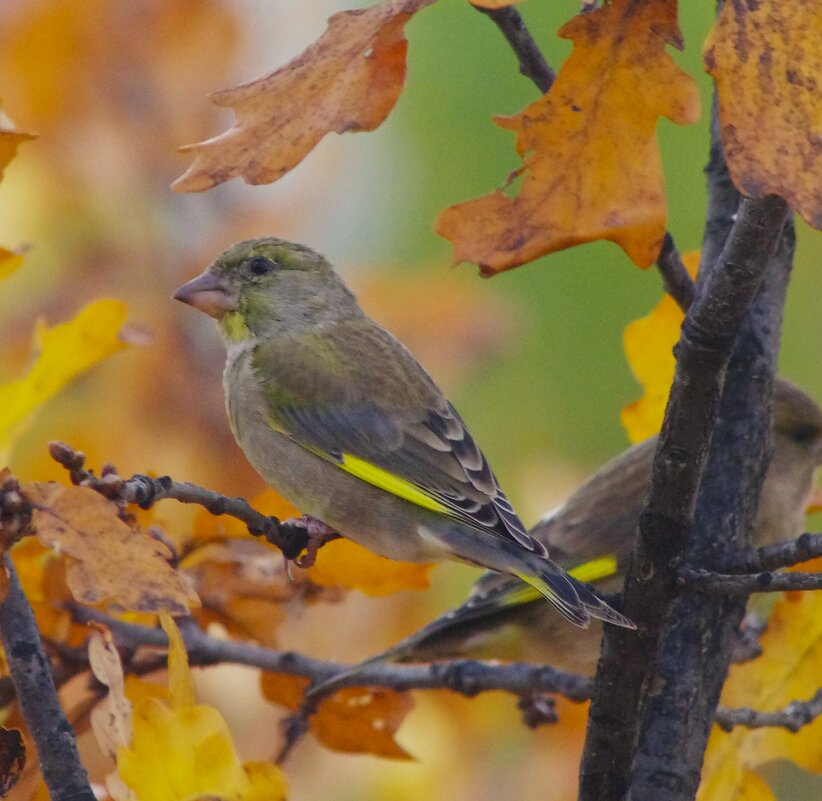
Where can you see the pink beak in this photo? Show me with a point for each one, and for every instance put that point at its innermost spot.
(208, 293)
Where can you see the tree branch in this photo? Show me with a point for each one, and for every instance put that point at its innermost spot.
(793, 717)
(467, 677)
(704, 350)
(678, 283)
(290, 537)
(30, 670)
(781, 554)
(532, 63)
(731, 584)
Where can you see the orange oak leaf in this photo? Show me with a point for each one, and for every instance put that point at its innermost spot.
(348, 80)
(766, 59)
(591, 165)
(109, 560)
(354, 720)
(344, 563)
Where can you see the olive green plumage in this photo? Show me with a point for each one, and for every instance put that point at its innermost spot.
(341, 419)
(500, 621)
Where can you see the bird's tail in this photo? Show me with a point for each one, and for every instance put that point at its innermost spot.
(506, 596)
(574, 600)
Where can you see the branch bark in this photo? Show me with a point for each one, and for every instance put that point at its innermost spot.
(30, 670)
(627, 668)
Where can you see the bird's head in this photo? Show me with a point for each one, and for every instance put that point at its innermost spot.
(268, 286)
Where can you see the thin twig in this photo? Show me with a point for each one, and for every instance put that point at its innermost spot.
(732, 584)
(290, 537)
(793, 717)
(532, 63)
(782, 554)
(678, 284)
(30, 670)
(466, 677)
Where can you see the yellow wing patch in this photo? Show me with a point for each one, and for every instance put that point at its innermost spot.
(390, 483)
(594, 570)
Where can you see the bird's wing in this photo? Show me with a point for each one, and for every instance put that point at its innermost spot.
(358, 398)
(602, 515)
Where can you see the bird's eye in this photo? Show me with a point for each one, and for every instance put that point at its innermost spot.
(261, 266)
(804, 434)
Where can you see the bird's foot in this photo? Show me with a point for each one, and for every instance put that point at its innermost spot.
(318, 535)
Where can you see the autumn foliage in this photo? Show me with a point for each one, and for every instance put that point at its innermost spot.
(131, 384)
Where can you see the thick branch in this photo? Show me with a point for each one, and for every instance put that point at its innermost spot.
(290, 538)
(708, 335)
(700, 635)
(31, 674)
(731, 584)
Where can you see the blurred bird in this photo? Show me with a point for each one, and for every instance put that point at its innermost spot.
(339, 417)
(501, 620)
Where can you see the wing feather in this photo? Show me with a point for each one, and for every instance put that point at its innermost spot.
(320, 388)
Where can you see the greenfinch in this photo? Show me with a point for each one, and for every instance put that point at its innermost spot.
(501, 621)
(337, 416)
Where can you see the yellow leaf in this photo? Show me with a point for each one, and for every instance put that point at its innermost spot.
(109, 560)
(787, 671)
(180, 684)
(9, 142)
(9, 262)
(766, 60)
(182, 751)
(62, 353)
(348, 80)
(591, 165)
(346, 564)
(355, 720)
(649, 347)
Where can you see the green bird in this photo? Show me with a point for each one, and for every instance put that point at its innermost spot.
(501, 620)
(337, 416)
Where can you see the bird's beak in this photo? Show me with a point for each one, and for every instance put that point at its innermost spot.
(208, 293)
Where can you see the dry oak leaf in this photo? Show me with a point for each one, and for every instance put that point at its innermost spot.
(348, 80)
(766, 59)
(787, 670)
(591, 165)
(111, 718)
(649, 348)
(343, 563)
(108, 559)
(354, 720)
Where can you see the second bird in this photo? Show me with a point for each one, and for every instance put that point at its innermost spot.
(339, 417)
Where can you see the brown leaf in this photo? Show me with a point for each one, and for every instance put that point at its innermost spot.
(591, 165)
(354, 720)
(12, 759)
(109, 559)
(111, 718)
(766, 59)
(348, 80)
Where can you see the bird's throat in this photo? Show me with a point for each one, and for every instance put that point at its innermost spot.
(233, 327)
